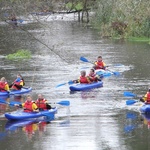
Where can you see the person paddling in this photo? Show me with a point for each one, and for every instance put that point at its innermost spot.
(41, 103)
(83, 78)
(146, 98)
(99, 64)
(4, 85)
(18, 83)
(93, 77)
(29, 105)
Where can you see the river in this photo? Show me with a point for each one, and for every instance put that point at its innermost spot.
(95, 120)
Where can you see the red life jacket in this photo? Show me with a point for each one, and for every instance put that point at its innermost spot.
(99, 65)
(17, 83)
(41, 104)
(2, 86)
(28, 106)
(148, 98)
(83, 79)
(93, 76)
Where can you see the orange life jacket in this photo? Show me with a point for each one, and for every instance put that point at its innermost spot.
(2, 86)
(99, 65)
(17, 83)
(28, 106)
(41, 104)
(84, 79)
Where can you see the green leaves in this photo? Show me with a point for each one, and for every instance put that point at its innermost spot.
(20, 54)
(74, 6)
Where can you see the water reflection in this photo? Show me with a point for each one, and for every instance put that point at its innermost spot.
(29, 127)
(91, 94)
(146, 120)
(134, 121)
(130, 124)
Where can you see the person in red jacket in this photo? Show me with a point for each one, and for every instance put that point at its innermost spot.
(93, 77)
(146, 98)
(18, 83)
(41, 103)
(99, 64)
(83, 78)
(4, 85)
(29, 105)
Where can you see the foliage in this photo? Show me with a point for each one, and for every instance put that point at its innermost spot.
(74, 6)
(122, 18)
(19, 55)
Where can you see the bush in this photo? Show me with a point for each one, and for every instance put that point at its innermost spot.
(20, 54)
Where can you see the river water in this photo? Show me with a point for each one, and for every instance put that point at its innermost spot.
(95, 120)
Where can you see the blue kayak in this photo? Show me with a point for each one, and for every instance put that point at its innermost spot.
(103, 73)
(145, 109)
(17, 92)
(20, 115)
(82, 87)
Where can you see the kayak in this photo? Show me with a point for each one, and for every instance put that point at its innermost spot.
(82, 87)
(20, 115)
(106, 73)
(145, 109)
(16, 92)
(103, 73)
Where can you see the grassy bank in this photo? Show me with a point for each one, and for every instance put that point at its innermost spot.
(124, 19)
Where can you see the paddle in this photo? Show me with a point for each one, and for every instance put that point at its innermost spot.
(12, 103)
(86, 60)
(131, 102)
(114, 72)
(69, 82)
(129, 94)
(64, 103)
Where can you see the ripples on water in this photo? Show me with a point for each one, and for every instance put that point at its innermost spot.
(96, 119)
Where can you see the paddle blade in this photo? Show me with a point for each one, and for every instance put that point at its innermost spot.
(130, 102)
(12, 103)
(70, 82)
(64, 103)
(83, 59)
(60, 85)
(116, 73)
(129, 94)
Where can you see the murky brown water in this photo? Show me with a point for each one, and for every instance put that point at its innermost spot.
(95, 120)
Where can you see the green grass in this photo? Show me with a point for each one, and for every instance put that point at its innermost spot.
(19, 55)
(139, 39)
